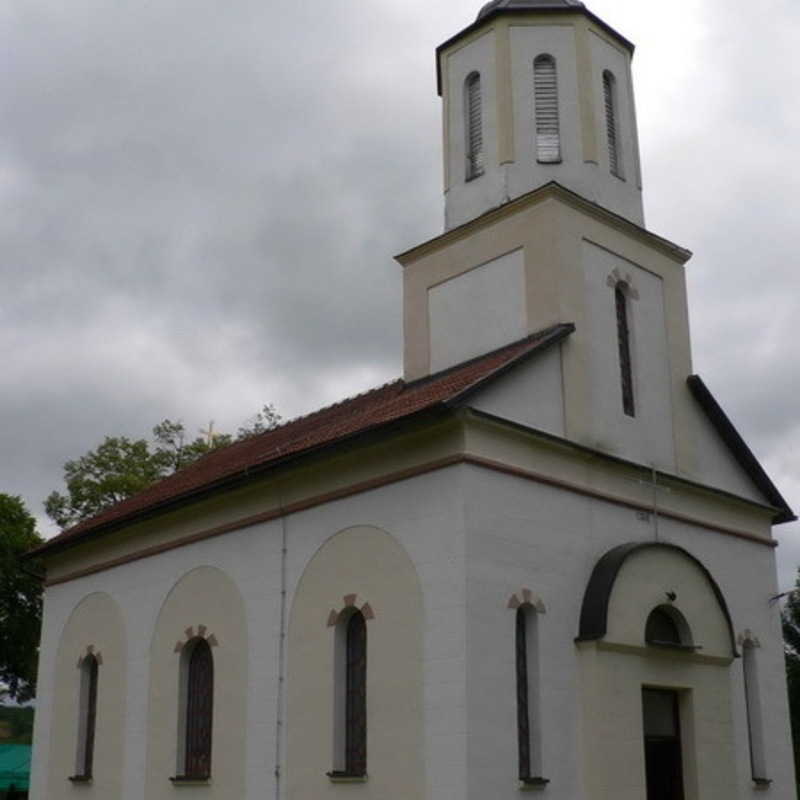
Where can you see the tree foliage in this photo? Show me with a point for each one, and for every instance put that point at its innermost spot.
(121, 467)
(791, 650)
(20, 601)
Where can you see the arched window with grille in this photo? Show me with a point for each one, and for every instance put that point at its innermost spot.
(473, 125)
(197, 710)
(528, 711)
(545, 101)
(624, 348)
(350, 700)
(611, 100)
(87, 721)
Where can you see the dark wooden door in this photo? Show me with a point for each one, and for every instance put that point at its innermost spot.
(662, 745)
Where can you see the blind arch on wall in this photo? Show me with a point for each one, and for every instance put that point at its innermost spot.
(473, 125)
(546, 117)
(611, 102)
(198, 709)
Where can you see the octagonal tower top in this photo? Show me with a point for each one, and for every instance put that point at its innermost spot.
(536, 91)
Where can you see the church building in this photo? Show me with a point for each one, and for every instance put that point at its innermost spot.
(541, 561)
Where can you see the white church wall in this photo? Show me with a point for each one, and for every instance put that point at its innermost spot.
(524, 535)
(140, 589)
(423, 514)
(531, 394)
(477, 311)
(647, 437)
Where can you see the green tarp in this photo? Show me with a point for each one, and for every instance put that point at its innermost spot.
(15, 766)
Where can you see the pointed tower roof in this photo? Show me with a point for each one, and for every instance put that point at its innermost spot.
(528, 5)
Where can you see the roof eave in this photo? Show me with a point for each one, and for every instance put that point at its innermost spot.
(478, 23)
(549, 189)
(232, 481)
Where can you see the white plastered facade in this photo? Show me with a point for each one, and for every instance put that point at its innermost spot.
(439, 524)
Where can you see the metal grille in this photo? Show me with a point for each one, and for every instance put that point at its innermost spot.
(199, 710)
(623, 339)
(612, 130)
(90, 665)
(474, 124)
(523, 721)
(545, 93)
(356, 707)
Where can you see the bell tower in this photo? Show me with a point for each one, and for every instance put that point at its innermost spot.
(536, 91)
(544, 226)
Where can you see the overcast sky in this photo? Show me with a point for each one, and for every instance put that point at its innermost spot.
(200, 201)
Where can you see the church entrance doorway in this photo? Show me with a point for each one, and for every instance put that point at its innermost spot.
(662, 745)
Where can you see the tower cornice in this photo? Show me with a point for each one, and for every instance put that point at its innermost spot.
(551, 9)
(539, 195)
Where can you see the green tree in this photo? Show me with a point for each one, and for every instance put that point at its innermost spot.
(20, 601)
(791, 650)
(121, 467)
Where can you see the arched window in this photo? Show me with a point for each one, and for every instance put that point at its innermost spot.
(528, 713)
(624, 347)
(473, 125)
(197, 705)
(612, 123)
(545, 100)
(667, 626)
(87, 704)
(350, 702)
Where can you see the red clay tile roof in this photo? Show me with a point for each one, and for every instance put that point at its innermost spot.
(356, 415)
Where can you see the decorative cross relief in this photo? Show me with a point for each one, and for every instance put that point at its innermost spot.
(350, 601)
(747, 638)
(190, 633)
(91, 651)
(616, 278)
(528, 598)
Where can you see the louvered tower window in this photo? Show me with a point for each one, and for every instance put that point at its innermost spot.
(612, 123)
(545, 94)
(88, 718)
(473, 125)
(199, 711)
(624, 346)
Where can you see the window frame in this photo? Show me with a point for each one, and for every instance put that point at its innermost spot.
(87, 718)
(528, 696)
(473, 131)
(542, 108)
(196, 712)
(624, 350)
(350, 732)
(613, 140)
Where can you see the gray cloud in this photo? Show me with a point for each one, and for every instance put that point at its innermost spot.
(199, 204)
